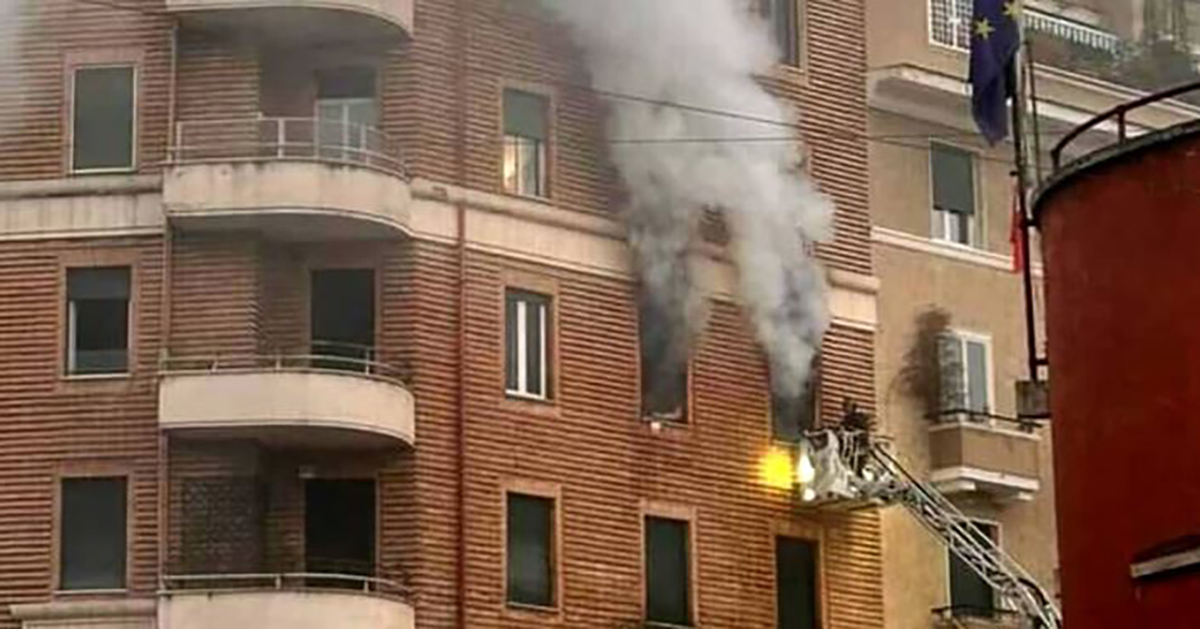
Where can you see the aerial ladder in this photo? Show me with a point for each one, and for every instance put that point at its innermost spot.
(849, 467)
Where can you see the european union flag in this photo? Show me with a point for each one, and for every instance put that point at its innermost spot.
(995, 39)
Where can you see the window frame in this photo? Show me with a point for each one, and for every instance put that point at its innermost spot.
(91, 470)
(796, 58)
(681, 513)
(520, 280)
(548, 153)
(546, 331)
(98, 257)
(940, 220)
(73, 70)
(998, 602)
(963, 337)
(548, 491)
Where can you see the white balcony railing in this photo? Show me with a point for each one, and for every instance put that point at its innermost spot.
(950, 25)
(1072, 31)
(270, 139)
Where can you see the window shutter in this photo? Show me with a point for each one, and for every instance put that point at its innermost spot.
(98, 283)
(525, 115)
(667, 572)
(953, 180)
(950, 365)
(93, 543)
(510, 342)
(530, 553)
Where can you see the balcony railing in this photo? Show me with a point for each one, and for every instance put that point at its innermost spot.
(325, 356)
(1072, 31)
(286, 580)
(272, 139)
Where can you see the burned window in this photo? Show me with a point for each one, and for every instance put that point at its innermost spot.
(530, 550)
(527, 321)
(668, 571)
(664, 363)
(792, 415)
(339, 528)
(964, 362)
(784, 20)
(970, 595)
(102, 118)
(92, 534)
(797, 603)
(526, 134)
(97, 320)
(953, 180)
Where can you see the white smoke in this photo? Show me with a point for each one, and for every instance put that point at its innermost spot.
(707, 53)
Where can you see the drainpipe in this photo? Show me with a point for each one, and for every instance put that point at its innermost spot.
(462, 414)
(164, 485)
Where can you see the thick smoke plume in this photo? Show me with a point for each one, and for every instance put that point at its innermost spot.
(706, 54)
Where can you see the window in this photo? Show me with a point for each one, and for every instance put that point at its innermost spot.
(92, 534)
(668, 572)
(953, 179)
(347, 113)
(102, 118)
(796, 601)
(783, 18)
(792, 416)
(664, 364)
(530, 546)
(970, 595)
(527, 328)
(97, 320)
(950, 22)
(342, 318)
(339, 528)
(964, 361)
(525, 139)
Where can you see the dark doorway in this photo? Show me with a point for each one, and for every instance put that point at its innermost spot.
(339, 528)
(343, 318)
(796, 583)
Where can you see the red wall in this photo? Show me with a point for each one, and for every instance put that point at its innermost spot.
(1122, 250)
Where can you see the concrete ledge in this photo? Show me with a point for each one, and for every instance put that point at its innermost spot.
(307, 408)
(275, 609)
(92, 614)
(397, 14)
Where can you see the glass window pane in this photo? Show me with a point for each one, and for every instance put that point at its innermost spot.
(950, 362)
(93, 533)
(953, 180)
(511, 338)
(103, 118)
(533, 352)
(525, 115)
(530, 552)
(667, 572)
(970, 595)
(977, 376)
(796, 583)
(98, 327)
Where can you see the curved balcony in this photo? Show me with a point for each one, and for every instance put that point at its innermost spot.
(283, 601)
(291, 179)
(301, 21)
(303, 401)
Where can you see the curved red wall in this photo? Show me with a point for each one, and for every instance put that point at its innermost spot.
(1121, 241)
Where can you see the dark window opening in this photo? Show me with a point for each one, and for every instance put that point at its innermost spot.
(970, 595)
(668, 572)
(530, 550)
(102, 128)
(343, 319)
(664, 364)
(526, 134)
(797, 603)
(339, 528)
(792, 416)
(348, 113)
(783, 17)
(93, 535)
(527, 327)
(98, 320)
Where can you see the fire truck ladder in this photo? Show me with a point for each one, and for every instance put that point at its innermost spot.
(873, 475)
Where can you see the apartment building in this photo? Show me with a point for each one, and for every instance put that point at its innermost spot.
(952, 341)
(320, 314)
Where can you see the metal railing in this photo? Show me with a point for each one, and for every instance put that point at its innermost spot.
(284, 581)
(325, 356)
(985, 418)
(278, 139)
(1071, 30)
(1120, 113)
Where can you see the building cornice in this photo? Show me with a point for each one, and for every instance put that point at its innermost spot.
(958, 253)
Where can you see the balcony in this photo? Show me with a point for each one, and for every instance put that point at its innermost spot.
(318, 401)
(300, 21)
(283, 601)
(973, 453)
(290, 179)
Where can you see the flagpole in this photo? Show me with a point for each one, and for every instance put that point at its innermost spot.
(1022, 172)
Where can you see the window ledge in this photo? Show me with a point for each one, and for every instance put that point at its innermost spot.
(99, 608)
(97, 377)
